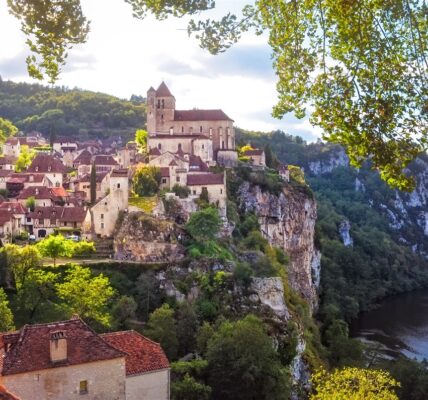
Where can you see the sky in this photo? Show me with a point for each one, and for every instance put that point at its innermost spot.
(125, 56)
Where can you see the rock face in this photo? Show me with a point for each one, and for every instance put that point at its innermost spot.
(336, 159)
(344, 232)
(270, 292)
(288, 222)
(146, 239)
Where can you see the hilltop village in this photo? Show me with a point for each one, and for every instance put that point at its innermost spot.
(53, 194)
(80, 190)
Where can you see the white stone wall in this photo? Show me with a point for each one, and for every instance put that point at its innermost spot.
(149, 386)
(106, 381)
(171, 144)
(204, 149)
(216, 193)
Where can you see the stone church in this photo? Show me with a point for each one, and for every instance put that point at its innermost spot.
(208, 134)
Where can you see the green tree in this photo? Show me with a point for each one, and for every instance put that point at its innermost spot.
(243, 363)
(7, 129)
(204, 225)
(85, 294)
(93, 183)
(6, 316)
(187, 325)
(361, 66)
(141, 139)
(353, 384)
(162, 329)
(30, 203)
(147, 180)
(189, 388)
(25, 158)
(123, 310)
(55, 246)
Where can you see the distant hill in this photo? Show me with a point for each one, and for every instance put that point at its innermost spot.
(70, 112)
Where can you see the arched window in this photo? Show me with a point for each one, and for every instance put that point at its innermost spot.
(163, 103)
(158, 103)
(161, 117)
(118, 185)
(200, 129)
(182, 129)
(159, 146)
(179, 146)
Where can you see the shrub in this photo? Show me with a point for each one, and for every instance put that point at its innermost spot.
(181, 191)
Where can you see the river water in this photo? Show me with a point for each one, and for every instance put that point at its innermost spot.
(399, 325)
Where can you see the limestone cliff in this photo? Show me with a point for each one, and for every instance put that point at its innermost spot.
(146, 239)
(287, 220)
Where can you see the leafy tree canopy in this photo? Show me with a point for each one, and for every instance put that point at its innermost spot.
(361, 66)
(6, 316)
(141, 139)
(25, 158)
(353, 384)
(204, 225)
(7, 129)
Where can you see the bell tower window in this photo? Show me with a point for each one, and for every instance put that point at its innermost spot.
(163, 103)
(159, 103)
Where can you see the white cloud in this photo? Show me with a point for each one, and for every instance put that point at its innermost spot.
(125, 56)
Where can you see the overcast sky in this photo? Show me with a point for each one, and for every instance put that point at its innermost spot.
(125, 56)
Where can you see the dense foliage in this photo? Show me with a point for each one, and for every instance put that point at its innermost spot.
(66, 112)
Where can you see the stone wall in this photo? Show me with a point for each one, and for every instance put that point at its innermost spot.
(106, 381)
(150, 386)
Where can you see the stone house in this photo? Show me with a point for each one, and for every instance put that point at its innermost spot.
(12, 220)
(43, 196)
(53, 169)
(215, 184)
(198, 132)
(284, 172)
(4, 175)
(8, 163)
(12, 147)
(63, 145)
(257, 157)
(67, 360)
(106, 212)
(83, 184)
(44, 221)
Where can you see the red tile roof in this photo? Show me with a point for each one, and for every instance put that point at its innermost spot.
(13, 206)
(30, 347)
(205, 179)
(101, 159)
(142, 354)
(84, 158)
(46, 163)
(196, 163)
(63, 214)
(12, 141)
(163, 91)
(7, 160)
(119, 172)
(38, 192)
(200, 115)
(60, 192)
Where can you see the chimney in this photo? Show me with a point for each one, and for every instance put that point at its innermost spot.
(58, 346)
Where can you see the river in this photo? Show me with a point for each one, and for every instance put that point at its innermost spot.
(399, 325)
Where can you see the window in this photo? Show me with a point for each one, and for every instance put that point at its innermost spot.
(163, 180)
(190, 130)
(102, 225)
(102, 216)
(161, 117)
(200, 129)
(203, 146)
(41, 221)
(163, 103)
(177, 179)
(159, 146)
(179, 146)
(182, 129)
(158, 103)
(222, 144)
(221, 191)
(83, 387)
(118, 185)
(194, 192)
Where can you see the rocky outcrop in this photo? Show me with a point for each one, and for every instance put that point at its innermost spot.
(344, 232)
(337, 158)
(146, 239)
(287, 220)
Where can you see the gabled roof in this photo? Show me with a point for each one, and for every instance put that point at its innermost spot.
(102, 159)
(30, 347)
(205, 179)
(163, 91)
(12, 206)
(142, 354)
(38, 192)
(123, 172)
(200, 115)
(154, 152)
(195, 162)
(45, 163)
(83, 158)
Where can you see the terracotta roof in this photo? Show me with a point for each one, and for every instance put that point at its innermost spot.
(163, 91)
(63, 214)
(142, 354)
(84, 158)
(30, 347)
(99, 177)
(12, 140)
(200, 115)
(59, 192)
(119, 172)
(164, 172)
(6, 395)
(7, 160)
(254, 152)
(5, 216)
(29, 177)
(73, 214)
(46, 163)
(205, 179)
(12, 206)
(196, 163)
(38, 192)
(101, 159)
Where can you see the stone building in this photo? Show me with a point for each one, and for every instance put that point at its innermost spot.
(198, 132)
(68, 361)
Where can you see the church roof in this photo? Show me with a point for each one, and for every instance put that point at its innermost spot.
(200, 115)
(163, 91)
